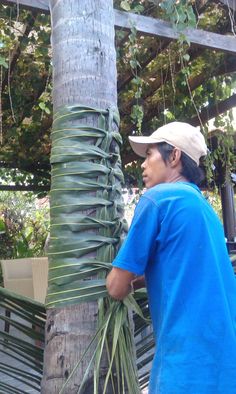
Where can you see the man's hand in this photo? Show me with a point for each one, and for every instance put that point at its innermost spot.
(119, 283)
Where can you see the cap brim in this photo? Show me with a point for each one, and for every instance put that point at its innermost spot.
(139, 144)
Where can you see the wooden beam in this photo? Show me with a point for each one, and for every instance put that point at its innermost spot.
(229, 3)
(43, 5)
(153, 27)
(160, 28)
(36, 5)
(211, 112)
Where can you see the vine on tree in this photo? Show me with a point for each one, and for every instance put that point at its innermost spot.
(3, 64)
(137, 109)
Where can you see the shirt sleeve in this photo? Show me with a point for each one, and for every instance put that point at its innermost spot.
(140, 242)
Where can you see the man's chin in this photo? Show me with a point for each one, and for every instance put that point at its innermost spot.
(147, 185)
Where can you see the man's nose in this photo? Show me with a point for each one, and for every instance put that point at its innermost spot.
(143, 164)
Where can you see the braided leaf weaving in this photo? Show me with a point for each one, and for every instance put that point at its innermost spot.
(86, 204)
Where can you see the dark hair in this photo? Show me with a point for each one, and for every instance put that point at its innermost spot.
(190, 169)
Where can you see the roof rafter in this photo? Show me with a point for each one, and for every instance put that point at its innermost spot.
(153, 51)
(226, 68)
(38, 5)
(229, 3)
(160, 28)
(212, 111)
(43, 5)
(156, 84)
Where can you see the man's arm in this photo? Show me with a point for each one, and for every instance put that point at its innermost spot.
(121, 282)
(139, 282)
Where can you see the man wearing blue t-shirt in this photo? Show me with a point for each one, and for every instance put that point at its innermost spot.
(176, 242)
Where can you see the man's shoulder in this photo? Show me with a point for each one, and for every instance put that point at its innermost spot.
(171, 189)
(165, 194)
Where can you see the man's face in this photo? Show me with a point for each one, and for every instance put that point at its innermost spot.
(155, 170)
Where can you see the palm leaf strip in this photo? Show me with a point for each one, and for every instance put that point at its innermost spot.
(26, 353)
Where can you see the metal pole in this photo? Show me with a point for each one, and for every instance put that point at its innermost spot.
(228, 211)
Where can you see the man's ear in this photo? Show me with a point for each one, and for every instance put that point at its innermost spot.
(175, 157)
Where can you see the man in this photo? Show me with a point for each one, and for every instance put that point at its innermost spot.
(177, 242)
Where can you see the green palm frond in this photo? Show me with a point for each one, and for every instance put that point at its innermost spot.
(144, 339)
(26, 327)
(9, 389)
(114, 337)
(86, 204)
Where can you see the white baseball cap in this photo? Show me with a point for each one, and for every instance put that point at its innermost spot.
(181, 135)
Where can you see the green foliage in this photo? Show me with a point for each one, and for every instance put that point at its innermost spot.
(3, 62)
(213, 198)
(137, 110)
(24, 225)
(26, 94)
(137, 116)
(125, 5)
(3, 58)
(45, 100)
(27, 123)
(132, 6)
(225, 152)
(180, 13)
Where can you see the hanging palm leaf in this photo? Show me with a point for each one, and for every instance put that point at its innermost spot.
(23, 344)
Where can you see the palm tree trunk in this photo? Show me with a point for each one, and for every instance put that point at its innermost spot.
(84, 72)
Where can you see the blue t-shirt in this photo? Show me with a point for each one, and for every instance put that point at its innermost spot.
(177, 241)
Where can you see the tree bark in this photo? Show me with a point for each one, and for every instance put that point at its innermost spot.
(84, 72)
